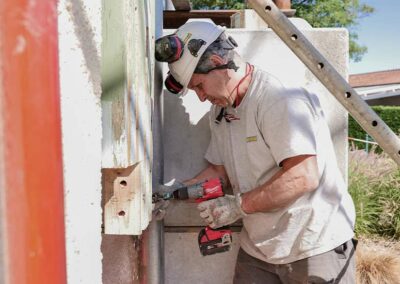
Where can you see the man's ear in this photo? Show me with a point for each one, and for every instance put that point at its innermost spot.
(217, 60)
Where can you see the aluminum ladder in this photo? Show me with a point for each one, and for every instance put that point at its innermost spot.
(329, 77)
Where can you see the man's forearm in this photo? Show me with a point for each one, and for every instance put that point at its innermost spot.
(287, 185)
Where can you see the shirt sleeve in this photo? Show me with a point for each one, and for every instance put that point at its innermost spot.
(289, 128)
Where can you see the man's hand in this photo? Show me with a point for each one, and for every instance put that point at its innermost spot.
(163, 192)
(221, 211)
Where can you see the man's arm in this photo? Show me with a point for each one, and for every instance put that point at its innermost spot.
(211, 171)
(297, 176)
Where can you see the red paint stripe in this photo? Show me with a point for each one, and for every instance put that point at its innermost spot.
(31, 142)
(179, 51)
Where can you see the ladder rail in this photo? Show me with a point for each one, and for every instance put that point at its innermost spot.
(329, 77)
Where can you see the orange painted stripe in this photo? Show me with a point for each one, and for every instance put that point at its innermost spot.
(31, 143)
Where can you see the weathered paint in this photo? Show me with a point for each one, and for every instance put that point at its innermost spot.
(127, 72)
(80, 39)
(32, 241)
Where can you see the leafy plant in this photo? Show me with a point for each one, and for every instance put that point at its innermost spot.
(218, 4)
(374, 184)
(335, 13)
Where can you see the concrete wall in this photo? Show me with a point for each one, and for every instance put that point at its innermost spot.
(106, 76)
(79, 44)
(186, 136)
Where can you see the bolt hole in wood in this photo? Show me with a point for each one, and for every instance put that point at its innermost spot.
(294, 37)
(348, 94)
(320, 65)
(123, 183)
(268, 8)
(121, 213)
(374, 123)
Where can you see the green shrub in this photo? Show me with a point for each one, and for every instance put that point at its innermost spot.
(389, 114)
(374, 184)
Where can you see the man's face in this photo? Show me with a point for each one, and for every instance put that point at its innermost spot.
(212, 87)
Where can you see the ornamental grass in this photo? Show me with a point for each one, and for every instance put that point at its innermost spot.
(374, 183)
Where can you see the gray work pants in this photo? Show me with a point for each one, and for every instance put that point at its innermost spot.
(335, 266)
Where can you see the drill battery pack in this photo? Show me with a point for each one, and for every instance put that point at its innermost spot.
(214, 241)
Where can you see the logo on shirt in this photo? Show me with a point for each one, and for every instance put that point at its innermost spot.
(251, 139)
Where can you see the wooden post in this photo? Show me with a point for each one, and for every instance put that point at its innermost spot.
(120, 214)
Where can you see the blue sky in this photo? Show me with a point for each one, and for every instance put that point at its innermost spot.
(380, 32)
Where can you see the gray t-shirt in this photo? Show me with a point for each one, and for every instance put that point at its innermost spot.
(271, 124)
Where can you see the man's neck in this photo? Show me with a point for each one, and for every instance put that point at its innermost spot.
(240, 82)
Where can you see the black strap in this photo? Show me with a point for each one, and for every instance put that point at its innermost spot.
(219, 117)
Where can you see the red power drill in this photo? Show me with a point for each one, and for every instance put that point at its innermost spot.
(213, 241)
(210, 240)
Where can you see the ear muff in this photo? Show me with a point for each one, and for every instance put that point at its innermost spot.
(168, 48)
(172, 84)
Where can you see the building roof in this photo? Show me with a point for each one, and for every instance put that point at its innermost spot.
(375, 78)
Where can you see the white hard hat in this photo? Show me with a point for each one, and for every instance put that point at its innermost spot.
(196, 36)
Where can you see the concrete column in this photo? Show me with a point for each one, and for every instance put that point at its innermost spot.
(79, 51)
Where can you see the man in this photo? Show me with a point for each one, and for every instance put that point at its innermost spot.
(273, 146)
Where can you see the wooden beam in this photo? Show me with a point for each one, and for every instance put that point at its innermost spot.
(174, 19)
(226, 18)
(121, 208)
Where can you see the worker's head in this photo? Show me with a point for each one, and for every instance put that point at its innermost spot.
(194, 51)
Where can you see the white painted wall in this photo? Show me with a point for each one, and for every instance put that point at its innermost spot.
(79, 25)
(186, 136)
